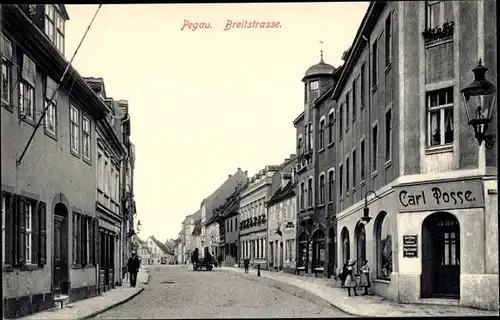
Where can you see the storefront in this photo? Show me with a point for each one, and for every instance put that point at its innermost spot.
(448, 235)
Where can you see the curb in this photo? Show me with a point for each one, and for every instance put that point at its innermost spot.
(349, 312)
(114, 305)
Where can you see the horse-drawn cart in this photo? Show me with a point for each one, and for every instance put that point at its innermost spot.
(205, 263)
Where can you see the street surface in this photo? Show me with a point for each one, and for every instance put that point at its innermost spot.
(181, 293)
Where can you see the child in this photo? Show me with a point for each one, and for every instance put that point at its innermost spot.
(365, 277)
(350, 281)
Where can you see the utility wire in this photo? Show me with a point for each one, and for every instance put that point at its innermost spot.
(18, 161)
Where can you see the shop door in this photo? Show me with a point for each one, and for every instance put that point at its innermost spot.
(446, 257)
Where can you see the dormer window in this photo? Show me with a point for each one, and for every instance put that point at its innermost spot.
(54, 27)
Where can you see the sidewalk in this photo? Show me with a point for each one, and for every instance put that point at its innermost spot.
(88, 308)
(363, 306)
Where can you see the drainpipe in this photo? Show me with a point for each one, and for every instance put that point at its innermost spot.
(369, 133)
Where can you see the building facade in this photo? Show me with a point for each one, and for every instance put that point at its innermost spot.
(209, 238)
(430, 190)
(282, 219)
(253, 217)
(315, 172)
(50, 225)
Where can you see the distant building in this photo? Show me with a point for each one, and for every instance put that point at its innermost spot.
(158, 251)
(282, 219)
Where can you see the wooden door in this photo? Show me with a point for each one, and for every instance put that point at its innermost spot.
(58, 260)
(446, 258)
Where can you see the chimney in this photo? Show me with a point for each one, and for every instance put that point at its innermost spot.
(239, 169)
(229, 176)
(246, 172)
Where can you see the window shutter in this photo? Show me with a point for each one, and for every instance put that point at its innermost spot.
(29, 70)
(91, 241)
(85, 224)
(34, 234)
(96, 241)
(42, 234)
(79, 238)
(9, 230)
(21, 231)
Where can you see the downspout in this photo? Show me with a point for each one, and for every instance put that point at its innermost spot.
(369, 112)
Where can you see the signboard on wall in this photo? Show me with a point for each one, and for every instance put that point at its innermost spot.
(440, 196)
(410, 246)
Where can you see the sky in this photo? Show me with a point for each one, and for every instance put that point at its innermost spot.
(205, 102)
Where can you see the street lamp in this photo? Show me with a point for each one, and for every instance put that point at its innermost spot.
(139, 226)
(365, 219)
(479, 103)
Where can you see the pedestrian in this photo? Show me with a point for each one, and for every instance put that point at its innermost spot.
(343, 274)
(133, 266)
(365, 281)
(350, 280)
(246, 263)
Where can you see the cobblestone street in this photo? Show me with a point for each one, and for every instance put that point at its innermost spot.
(179, 292)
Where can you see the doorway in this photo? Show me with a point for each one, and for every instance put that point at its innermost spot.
(346, 249)
(332, 254)
(360, 245)
(60, 261)
(441, 256)
(281, 257)
(303, 254)
(318, 249)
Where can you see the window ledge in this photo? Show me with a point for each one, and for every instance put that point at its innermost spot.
(347, 195)
(388, 163)
(386, 281)
(29, 267)
(321, 150)
(353, 190)
(87, 161)
(27, 120)
(439, 149)
(362, 183)
(374, 88)
(362, 106)
(321, 205)
(74, 153)
(7, 268)
(374, 173)
(354, 117)
(8, 106)
(438, 42)
(50, 134)
(341, 199)
(330, 145)
(388, 68)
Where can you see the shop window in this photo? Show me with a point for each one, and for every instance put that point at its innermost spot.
(384, 247)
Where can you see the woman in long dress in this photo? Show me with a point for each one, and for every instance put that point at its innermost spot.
(350, 280)
(365, 277)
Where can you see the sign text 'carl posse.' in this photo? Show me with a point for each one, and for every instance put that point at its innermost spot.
(440, 196)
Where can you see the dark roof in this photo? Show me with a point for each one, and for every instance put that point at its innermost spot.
(319, 69)
(197, 228)
(281, 194)
(232, 204)
(162, 246)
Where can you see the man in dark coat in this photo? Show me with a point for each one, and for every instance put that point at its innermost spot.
(133, 266)
(246, 264)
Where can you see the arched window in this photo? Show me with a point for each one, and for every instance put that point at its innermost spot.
(302, 191)
(346, 252)
(384, 247)
(322, 133)
(310, 192)
(322, 188)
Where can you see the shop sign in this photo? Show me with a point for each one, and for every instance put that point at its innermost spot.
(440, 196)
(410, 246)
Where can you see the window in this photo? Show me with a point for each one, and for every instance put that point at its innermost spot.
(313, 90)
(354, 98)
(330, 185)
(4, 213)
(75, 129)
(321, 134)
(384, 247)
(322, 188)
(299, 144)
(375, 147)
(347, 176)
(374, 63)
(341, 180)
(311, 140)
(76, 238)
(330, 125)
(28, 231)
(310, 192)
(6, 70)
(50, 116)
(440, 117)
(347, 111)
(236, 224)
(302, 192)
(354, 168)
(388, 135)
(100, 177)
(388, 40)
(341, 121)
(362, 85)
(363, 157)
(437, 13)
(86, 137)
(54, 27)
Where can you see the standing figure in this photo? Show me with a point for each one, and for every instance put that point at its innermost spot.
(133, 266)
(343, 274)
(365, 277)
(246, 263)
(350, 280)
(194, 259)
